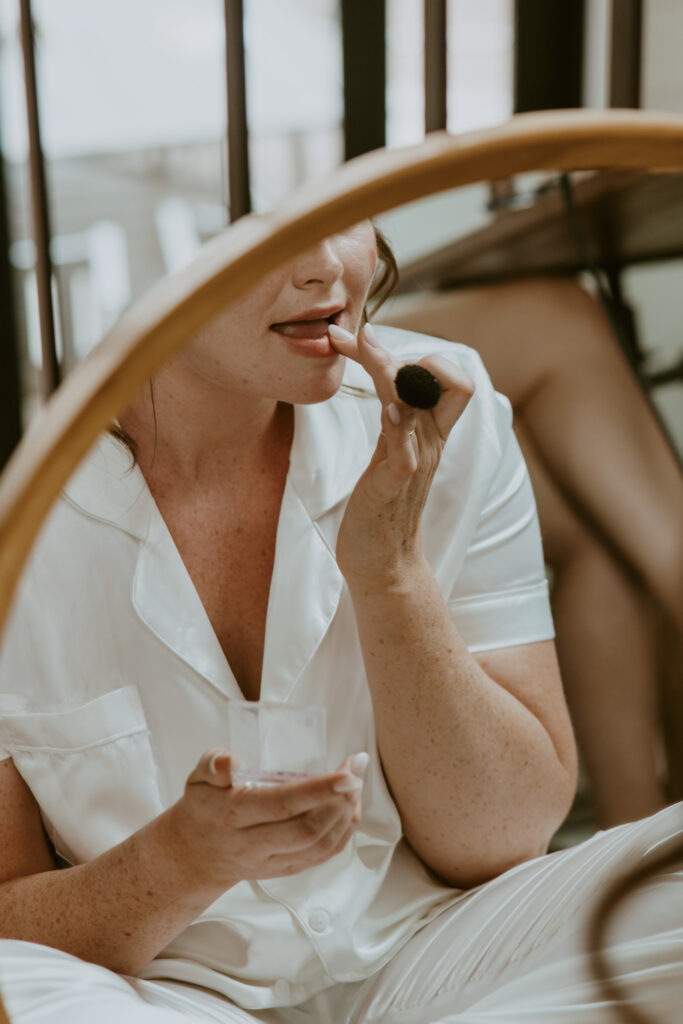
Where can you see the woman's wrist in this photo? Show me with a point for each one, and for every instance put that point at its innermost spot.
(394, 578)
(178, 849)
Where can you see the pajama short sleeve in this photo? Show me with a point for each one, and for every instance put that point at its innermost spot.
(500, 597)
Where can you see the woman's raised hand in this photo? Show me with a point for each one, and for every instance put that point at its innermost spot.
(225, 834)
(379, 537)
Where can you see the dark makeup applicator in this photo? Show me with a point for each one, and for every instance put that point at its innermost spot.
(417, 387)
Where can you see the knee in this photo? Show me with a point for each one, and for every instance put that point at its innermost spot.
(561, 297)
(666, 581)
(567, 320)
(567, 541)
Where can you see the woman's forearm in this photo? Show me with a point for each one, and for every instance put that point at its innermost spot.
(476, 776)
(118, 910)
(123, 907)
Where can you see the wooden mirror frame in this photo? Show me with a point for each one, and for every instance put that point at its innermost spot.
(158, 324)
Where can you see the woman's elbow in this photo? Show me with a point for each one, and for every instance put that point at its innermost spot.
(469, 871)
(510, 842)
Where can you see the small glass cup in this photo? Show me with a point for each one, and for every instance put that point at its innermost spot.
(276, 742)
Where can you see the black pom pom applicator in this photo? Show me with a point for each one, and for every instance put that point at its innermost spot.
(417, 387)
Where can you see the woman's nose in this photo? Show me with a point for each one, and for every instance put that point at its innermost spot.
(319, 265)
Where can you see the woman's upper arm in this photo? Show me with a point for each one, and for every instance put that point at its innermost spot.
(24, 849)
(530, 672)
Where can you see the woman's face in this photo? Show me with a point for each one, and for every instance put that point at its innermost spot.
(273, 341)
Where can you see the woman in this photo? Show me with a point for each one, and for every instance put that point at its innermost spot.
(282, 539)
(610, 505)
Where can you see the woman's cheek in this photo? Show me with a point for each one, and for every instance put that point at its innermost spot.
(370, 273)
(364, 266)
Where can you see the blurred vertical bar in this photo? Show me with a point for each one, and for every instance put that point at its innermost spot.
(39, 207)
(238, 135)
(625, 58)
(364, 45)
(10, 384)
(548, 54)
(435, 65)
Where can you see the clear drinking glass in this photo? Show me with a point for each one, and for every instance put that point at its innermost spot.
(276, 742)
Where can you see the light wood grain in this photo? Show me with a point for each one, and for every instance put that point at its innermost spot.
(158, 325)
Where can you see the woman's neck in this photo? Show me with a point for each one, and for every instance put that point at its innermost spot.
(197, 439)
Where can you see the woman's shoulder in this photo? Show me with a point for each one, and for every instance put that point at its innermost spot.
(75, 588)
(95, 525)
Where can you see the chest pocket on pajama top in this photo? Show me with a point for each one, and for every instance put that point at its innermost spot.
(90, 769)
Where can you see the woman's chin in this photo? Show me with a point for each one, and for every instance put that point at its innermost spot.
(314, 397)
(324, 385)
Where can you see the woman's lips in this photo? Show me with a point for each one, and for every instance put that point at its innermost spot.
(302, 328)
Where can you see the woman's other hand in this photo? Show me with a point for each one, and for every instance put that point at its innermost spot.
(379, 538)
(227, 833)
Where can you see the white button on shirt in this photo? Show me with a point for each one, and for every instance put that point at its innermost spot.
(113, 682)
(319, 921)
(281, 989)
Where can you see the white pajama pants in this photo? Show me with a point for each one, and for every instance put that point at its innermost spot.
(509, 952)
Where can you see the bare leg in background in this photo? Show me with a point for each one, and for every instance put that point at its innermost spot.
(606, 649)
(610, 502)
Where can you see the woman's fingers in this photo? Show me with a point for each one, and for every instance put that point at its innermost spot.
(237, 832)
(373, 357)
(456, 387)
(259, 804)
(456, 390)
(213, 768)
(317, 831)
(399, 427)
(357, 764)
(287, 800)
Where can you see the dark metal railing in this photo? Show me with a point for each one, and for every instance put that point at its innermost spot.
(436, 71)
(364, 48)
(239, 192)
(363, 24)
(40, 207)
(625, 53)
(10, 396)
(548, 54)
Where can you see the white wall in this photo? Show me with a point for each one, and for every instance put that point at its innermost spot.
(657, 290)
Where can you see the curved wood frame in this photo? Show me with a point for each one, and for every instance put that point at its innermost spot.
(158, 325)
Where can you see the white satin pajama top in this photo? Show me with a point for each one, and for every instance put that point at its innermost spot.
(113, 683)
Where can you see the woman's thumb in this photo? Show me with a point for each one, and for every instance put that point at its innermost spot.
(213, 768)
